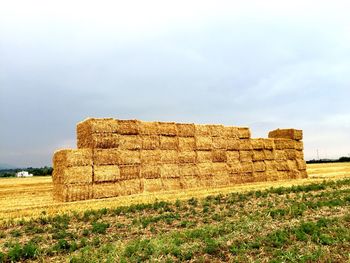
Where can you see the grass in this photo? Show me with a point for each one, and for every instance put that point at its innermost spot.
(305, 223)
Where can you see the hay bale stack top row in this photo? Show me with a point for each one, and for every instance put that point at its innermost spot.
(122, 157)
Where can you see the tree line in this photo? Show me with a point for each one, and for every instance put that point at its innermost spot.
(42, 171)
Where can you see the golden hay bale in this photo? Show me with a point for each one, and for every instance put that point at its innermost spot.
(73, 175)
(216, 130)
(171, 184)
(95, 125)
(150, 142)
(69, 157)
(106, 156)
(303, 174)
(169, 157)
(232, 144)
(232, 156)
(269, 144)
(247, 167)
(131, 186)
(130, 142)
(259, 166)
(243, 133)
(231, 132)
(150, 157)
(129, 157)
(247, 177)
(282, 144)
(298, 145)
(292, 134)
(283, 175)
(202, 130)
(220, 143)
(269, 154)
(187, 143)
(188, 169)
(129, 171)
(257, 144)
(220, 169)
(245, 156)
(204, 142)
(272, 175)
(169, 143)
(169, 171)
(290, 154)
(128, 127)
(77, 192)
(187, 157)
(245, 144)
(186, 129)
(270, 165)
(106, 190)
(292, 165)
(299, 154)
(106, 173)
(282, 165)
(152, 185)
(150, 171)
(260, 176)
(190, 182)
(205, 169)
(258, 155)
(235, 167)
(219, 156)
(221, 180)
(148, 128)
(167, 128)
(301, 164)
(203, 156)
(99, 140)
(280, 155)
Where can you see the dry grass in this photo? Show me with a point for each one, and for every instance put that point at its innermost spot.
(30, 197)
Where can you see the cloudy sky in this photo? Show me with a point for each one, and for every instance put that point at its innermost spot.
(262, 64)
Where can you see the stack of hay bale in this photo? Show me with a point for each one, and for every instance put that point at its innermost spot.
(124, 157)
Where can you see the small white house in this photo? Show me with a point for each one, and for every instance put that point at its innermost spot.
(23, 174)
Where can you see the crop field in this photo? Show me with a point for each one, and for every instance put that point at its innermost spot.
(305, 220)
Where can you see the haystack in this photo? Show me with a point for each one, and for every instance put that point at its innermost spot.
(167, 128)
(187, 144)
(187, 157)
(106, 173)
(204, 143)
(169, 143)
(150, 142)
(130, 142)
(128, 127)
(292, 134)
(186, 129)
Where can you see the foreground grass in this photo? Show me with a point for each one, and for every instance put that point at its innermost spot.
(309, 223)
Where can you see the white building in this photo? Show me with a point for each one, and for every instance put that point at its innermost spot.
(23, 174)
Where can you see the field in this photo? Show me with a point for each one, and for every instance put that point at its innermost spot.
(287, 221)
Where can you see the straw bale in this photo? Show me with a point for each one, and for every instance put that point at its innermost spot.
(106, 156)
(98, 140)
(186, 129)
(148, 128)
(94, 125)
(292, 134)
(169, 171)
(269, 144)
(150, 142)
(259, 166)
(269, 154)
(298, 145)
(219, 156)
(206, 181)
(202, 130)
(270, 165)
(280, 155)
(150, 156)
(187, 143)
(260, 176)
(247, 167)
(303, 174)
(219, 142)
(189, 182)
(106, 190)
(245, 156)
(232, 156)
(129, 171)
(188, 169)
(169, 157)
(247, 177)
(73, 175)
(272, 175)
(152, 185)
(150, 171)
(171, 184)
(221, 180)
(216, 130)
(204, 143)
(235, 167)
(70, 157)
(203, 156)
(231, 132)
(130, 142)
(301, 164)
(129, 157)
(77, 192)
(167, 128)
(283, 175)
(106, 173)
(128, 127)
(169, 143)
(233, 144)
(187, 157)
(245, 144)
(243, 133)
(257, 144)
(220, 169)
(131, 186)
(299, 154)
(282, 144)
(282, 165)
(205, 169)
(258, 155)
(290, 154)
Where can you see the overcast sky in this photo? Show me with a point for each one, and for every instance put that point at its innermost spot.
(262, 64)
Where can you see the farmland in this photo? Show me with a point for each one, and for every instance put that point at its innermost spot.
(286, 221)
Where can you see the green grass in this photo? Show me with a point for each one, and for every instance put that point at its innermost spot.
(288, 224)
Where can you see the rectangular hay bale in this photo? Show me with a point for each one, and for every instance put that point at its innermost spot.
(232, 156)
(106, 173)
(150, 171)
(70, 157)
(130, 142)
(148, 128)
(128, 127)
(167, 128)
(258, 155)
(187, 143)
(219, 156)
(152, 185)
(245, 156)
(129, 171)
(204, 143)
(244, 133)
(106, 190)
(169, 157)
(106, 156)
(219, 142)
(186, 129)
(170, 184)
(187, 157)
(169, 171)
(169, 143)
(292, 134)
(150, 142)
(150, 157)
(259, 166)
(282, 144)
(188, 170)
(129, 157)
(202, 130)
(203, 156)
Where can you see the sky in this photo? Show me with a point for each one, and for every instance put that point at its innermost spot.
(262, 64)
